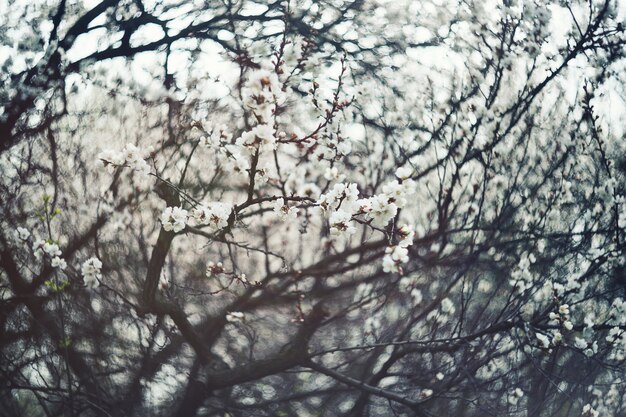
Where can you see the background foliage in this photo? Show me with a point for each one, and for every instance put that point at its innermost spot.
(312, 208)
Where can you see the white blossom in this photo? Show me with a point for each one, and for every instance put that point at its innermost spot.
(593, 350)
(404, 172)
(111, 159)
(543, 339)
(22, 233)
(261, 138)
(235, 316)
(238, 164)
(340, 223)
(395, 257)
(214, 269)
(344, 147)
(406, 233)
(174, 219)
(589, 411)
(91, 272)
(310, 190)
(447, 306)
(333, 174)
(382, 210)
(214, 215)
(342, 195)
(58, 262)
(262, 92)
(283, 210)
(580, 343)
(397, 192)
(51, 249)
(416, 296)
(38, 245)
(131, 155)
(216, 138)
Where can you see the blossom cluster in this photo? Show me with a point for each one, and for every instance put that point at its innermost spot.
(589, 411)
(522, 276)
(50, 250)
(174, 219)
(262, 92)
(235, 316)
(396, 256)
(131, 155)
(216, 138)
(283, 210)
(561, 317)
(214, 269)
(214, 215)
(91, 271)
(342, 205)
(233, 156)
(515, 396)
(261, 138)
